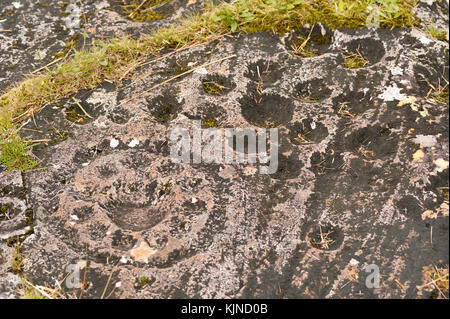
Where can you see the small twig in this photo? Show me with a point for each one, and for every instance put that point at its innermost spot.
(6, 31)
(176, 77)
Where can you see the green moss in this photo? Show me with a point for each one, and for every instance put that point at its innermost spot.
(437, 33)
(141, 13)
(165, 188)
(11, 241)
(445, 194)
(84, 19)
(355, 61)
(210, 122)
(5, 190)
(69, 45)
(320, 39)
(18, 260)
(28, 217)
(143, 281)
(266, 124)
(441, 95)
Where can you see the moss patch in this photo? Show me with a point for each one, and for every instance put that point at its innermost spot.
(17, 262)
(355, 60)
(74, 116)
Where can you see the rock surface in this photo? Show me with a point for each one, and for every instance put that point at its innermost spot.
(362, 178)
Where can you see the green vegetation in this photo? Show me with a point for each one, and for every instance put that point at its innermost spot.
(142, 11)
(213, 87)
(441, 95)
(439, 92)
(437, 33)
(181, 67)
(302, 46)
(86, 68)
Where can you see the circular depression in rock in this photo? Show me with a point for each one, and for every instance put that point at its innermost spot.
(164, 107)
(312, 90)
(137, 205)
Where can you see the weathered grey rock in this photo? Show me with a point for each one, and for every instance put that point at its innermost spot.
(45, 27)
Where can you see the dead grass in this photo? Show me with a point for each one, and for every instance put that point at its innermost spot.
(437, 278)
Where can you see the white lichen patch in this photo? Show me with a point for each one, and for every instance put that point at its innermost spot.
(425, 140)
(392, 93)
